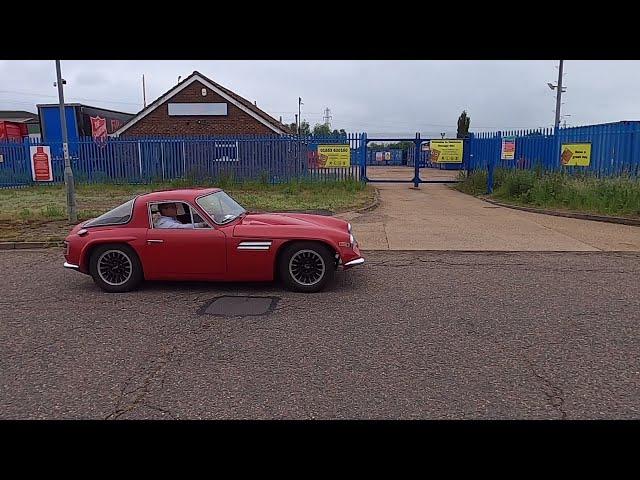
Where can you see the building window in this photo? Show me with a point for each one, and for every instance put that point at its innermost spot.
(225, 151)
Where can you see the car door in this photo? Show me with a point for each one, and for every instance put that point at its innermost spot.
(185, 253)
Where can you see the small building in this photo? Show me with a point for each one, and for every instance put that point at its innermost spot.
(199, 106)
(27, 123)
(82, 121)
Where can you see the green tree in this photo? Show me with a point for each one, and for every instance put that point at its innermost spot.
(321, 129)
(463, 125)
(305, 129)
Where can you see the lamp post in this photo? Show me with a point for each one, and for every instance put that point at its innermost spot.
(559, 89)
(68, 173)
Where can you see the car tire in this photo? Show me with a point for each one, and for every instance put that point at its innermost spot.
(115, 268)
(306, 267)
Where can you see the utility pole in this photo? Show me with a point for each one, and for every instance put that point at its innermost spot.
(299, 114)
(297, 124)
(68, 173)
(144, 93)
(559, 95)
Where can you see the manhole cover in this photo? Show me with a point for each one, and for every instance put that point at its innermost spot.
(240, 306)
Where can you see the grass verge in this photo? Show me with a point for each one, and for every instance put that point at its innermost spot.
(39, 212)
(618, 196)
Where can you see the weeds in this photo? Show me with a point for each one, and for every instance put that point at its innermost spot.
(584, 193)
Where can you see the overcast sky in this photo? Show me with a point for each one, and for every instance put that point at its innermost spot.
(379, 97)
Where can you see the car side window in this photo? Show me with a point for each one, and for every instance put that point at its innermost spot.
(184, 214)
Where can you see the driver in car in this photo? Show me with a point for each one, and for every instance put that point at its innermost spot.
(167, 219)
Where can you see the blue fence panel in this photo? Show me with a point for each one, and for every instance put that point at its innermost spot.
(15, 168)
(150, 159)
(615, 149)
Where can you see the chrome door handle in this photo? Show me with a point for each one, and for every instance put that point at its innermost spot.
(155, 241)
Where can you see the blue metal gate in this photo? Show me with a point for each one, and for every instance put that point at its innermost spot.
(417, 161)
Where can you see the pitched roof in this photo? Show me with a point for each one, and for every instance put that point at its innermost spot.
(233, 97)
(18, 116)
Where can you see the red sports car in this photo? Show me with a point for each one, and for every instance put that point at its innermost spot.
(203, 234)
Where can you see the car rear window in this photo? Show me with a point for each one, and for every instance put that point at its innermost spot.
(117, 216)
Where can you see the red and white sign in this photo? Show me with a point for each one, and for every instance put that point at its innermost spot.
(99, 128)
(508, 151)
(115, 125)
(41, 163)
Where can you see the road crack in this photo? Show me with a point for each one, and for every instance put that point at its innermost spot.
(554, 394)
(129, 400)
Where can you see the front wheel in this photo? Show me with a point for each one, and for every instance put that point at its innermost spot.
(115, 268)
(306, 267)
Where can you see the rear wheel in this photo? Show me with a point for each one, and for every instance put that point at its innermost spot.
(306, 266)
(115, 268)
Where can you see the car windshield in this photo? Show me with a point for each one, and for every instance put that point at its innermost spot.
(117, 216)
(221, 207)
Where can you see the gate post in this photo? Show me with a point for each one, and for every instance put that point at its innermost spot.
(363, 159)
(416, 161)
(495, 152)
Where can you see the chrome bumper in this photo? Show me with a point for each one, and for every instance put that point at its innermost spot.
(353, 263)
(70, 265)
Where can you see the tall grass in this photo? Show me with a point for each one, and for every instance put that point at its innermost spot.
(584, 193)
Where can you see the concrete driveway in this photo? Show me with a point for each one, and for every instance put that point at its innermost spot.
(437, 217)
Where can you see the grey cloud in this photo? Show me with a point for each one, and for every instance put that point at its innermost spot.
(381, 97)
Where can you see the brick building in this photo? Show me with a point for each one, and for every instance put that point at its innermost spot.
(199, 106)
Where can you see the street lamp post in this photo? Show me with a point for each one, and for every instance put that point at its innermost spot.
(68, 173)
(559, 95)
(299, 114)
(560, 89)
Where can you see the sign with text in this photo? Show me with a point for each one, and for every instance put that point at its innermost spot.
(41, 163)
(575, 154)
(508, 150)
(446, 151)
(334, 156)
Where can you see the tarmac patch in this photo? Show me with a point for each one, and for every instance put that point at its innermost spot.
(239, 306)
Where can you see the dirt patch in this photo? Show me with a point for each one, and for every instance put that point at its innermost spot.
(34, 230)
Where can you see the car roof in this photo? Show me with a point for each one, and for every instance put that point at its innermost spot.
(186, 194)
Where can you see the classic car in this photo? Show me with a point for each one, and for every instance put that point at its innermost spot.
(202, 234)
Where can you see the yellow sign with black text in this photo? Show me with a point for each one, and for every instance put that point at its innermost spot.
(446, 151)
(575, 154)
(334, 156)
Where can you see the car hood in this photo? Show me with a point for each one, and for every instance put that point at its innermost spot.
(303, 220)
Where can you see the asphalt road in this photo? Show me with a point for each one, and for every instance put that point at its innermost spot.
(410, 335)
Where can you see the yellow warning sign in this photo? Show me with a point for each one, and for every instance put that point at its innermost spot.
(575, 154)
(334, 155)
(446, 151)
